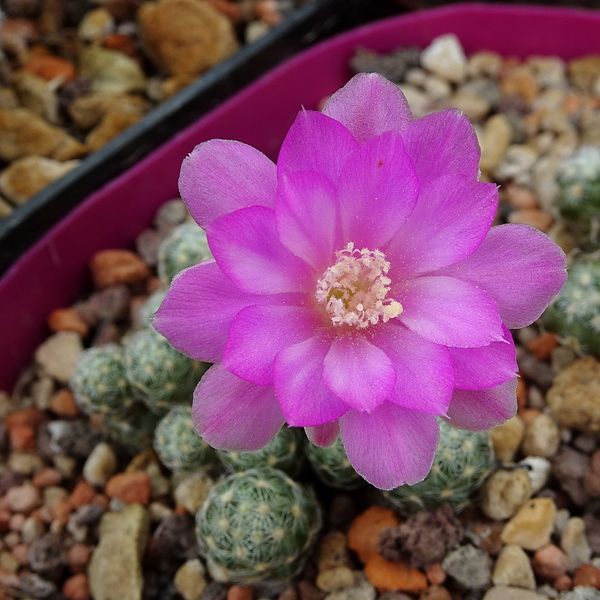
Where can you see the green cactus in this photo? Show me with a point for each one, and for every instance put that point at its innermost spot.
(257, 525)
(99, 383)
(282, 452)
(331, 465)
(462, 462)
(575, 313)
(152, 304)
(185, 246)
(177, 443)
(134, 428)
(579, 181)
(160, 374)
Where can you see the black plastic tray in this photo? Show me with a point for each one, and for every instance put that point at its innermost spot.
(310, 23)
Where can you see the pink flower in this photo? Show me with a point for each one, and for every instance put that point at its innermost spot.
(357, 287)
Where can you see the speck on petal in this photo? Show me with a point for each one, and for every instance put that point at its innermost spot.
(391, 446)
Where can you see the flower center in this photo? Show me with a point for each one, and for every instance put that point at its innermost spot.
(354, 289)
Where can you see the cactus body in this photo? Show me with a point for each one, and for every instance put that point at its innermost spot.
(177, 443)
(579, 182)
(257, 525)
(99, 382)
(331, 465)
(282, 452)
(160, 374)
(185, 246)
(134, 428)
(152, 304)
(575, 313)
(463, 460)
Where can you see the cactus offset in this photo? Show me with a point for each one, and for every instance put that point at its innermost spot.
(257, 525)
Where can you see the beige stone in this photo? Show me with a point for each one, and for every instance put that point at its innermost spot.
(337, 578)
(532, 526)
(542, 437)
(506, 438)
(88, 110)
(58, 355)
(23, 133)
(574, 398)
(111, 125)
(111, 71)
(190, 579)
(504, 492)
(446, 58)
(574, 543)
(495, 139)
(115, 569)
(27, 176)
(38, 95)
(185, 36)
(502, 592)
(473, 105)
(513, 568)
(95, 25)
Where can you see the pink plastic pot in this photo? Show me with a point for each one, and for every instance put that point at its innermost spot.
(53, 273)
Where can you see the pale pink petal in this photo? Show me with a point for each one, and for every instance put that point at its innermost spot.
(478, 410)
(258, 333)
(317, 143)
(520, 268)
(303, 396)
(307, 218)
(485, 367)
(443, 143)
(247, 249)
(451, 218)
(377, 191)
(323, 435)
(234, 414)
(358, 372)
(198, 309)
(369, 105)
(424, 371)
(448, 311)
(391, 446)
(220, 176)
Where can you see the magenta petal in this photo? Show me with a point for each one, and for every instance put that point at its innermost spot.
(258, 333)
(303, 396)
(521, 269)
(315, 142)
(234, 414)
(307, 217)
(247, 249)
(377, 191)
(369, 105)
(198, 310)
(220, 176)
(485, 367)
(478, 410)
(424, 371)
(323, 435)
(358, 372)
(451, 218)
(443, 143)
(448, 311)
(391, 446)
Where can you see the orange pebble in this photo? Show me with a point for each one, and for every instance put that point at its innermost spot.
(49, 67)
(117, 266)
(76, 587)
(46, 477)
(22, 437)
(542, 346)
(63, 404)
(435, 574)
(389, 576)
(528, 415)
(82, 494)
(562, 583)
(363, 535)
(67, 319)
(129, 487)
(240, 592)
(180, 510)
(32, 417)
(230, 9)
(62, 510)
(435, 592)
(122, 43)
(78, 556)
(587, 575)
(521, 393)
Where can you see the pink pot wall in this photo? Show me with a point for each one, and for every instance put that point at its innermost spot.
(53, 273)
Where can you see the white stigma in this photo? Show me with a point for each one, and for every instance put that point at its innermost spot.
(354, 289)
